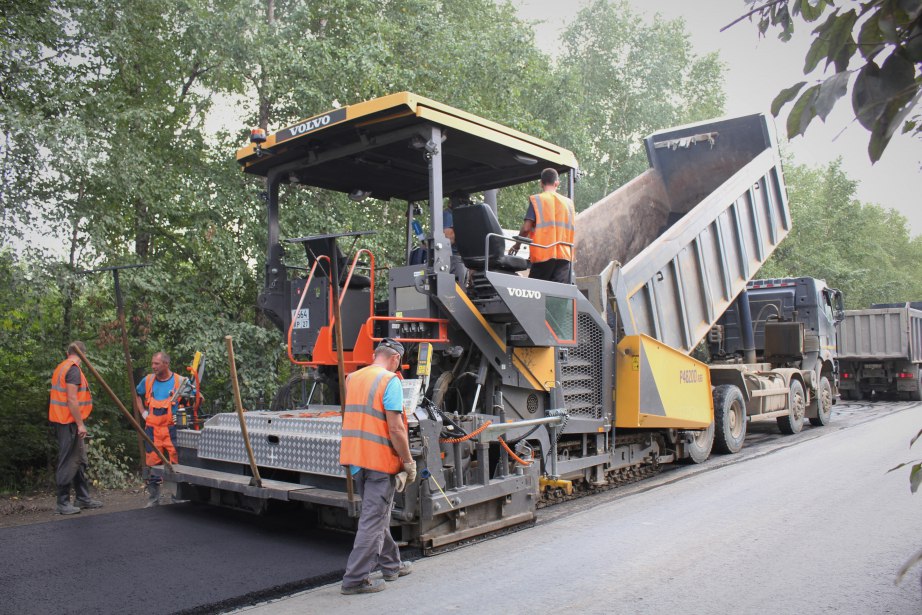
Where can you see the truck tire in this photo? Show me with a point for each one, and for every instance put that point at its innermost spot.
(823, 401)
(794, 421)
(699, 449)
(851, 394)
(729, 419)
(917, 394)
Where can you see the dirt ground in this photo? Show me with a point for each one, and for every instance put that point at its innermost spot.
(39, 507)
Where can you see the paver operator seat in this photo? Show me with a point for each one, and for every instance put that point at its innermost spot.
(473, 223)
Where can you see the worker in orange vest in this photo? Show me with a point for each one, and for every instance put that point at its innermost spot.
(70, 406)
(376, 448)
(550, 219)
(156, 400)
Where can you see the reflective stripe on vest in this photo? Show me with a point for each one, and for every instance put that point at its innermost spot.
(554, 219)
(160, 410)
(366, 441)
(58, 412)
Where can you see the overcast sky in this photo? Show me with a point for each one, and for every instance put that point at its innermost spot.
(757, 69)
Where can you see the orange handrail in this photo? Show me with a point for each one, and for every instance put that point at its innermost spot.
(291, 326)
(342, 296)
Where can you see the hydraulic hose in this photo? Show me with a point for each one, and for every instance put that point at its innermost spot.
(512, 454)
(476, 432)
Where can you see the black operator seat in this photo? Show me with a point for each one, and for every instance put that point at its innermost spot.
(472, 225)
(319, 247)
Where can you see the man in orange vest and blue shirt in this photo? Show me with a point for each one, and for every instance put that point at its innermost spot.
(70, 406)
(550, 219)
(156, 401)
(376, 447)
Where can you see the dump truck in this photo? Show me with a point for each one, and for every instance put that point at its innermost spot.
(519, 392)
(781, 330)
(880, 351)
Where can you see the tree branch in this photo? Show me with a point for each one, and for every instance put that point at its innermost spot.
(759, 9)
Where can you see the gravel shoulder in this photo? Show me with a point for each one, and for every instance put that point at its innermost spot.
(28, 509)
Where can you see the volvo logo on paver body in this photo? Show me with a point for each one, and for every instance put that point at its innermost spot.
(315, 123)
(521, 293)
(690, 376)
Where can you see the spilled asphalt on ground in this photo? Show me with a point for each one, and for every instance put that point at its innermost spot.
(198, 559)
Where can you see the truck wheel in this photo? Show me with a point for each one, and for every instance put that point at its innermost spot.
(699, 449)
(917, 394)
(823, 403)
(851, 394)
(729, 419)
(794, 421)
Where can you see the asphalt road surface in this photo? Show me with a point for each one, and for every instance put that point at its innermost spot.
(815, 527)
(809, 523)
(180, 558)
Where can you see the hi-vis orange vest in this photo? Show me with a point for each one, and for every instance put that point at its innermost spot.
(554, 221)
(58, 412)
(365, 439)
(160, 410)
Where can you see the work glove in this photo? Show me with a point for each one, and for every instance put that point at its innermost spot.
(410, 469)
(401, 480)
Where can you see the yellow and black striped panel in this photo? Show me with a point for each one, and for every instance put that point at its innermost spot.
(660, 387)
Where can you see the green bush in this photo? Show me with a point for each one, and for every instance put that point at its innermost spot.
(109, 465)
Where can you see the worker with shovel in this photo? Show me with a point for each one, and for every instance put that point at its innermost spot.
(156, 400)
(70, 406)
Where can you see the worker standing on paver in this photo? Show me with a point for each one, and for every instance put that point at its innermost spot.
(70, 406)
(156, 401)
(376, 447)
(550, 218)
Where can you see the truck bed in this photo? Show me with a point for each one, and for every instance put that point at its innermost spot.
(691, 231)
(881, 333)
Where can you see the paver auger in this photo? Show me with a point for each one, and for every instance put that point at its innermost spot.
(518, 391)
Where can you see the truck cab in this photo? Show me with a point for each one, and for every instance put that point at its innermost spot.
(774, 303)
(777, 345)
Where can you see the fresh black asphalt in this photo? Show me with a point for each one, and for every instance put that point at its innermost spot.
(171, 559)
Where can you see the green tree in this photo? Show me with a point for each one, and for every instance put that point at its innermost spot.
(877, 42)
(618, 79)
(863, 249)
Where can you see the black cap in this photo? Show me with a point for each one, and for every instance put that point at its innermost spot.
(392, 344)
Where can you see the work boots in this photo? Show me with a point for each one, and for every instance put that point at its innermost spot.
(82, 493)
(64, 506)
(153, 494)
(87, 503)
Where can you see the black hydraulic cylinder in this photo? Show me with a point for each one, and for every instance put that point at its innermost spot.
(746, 333)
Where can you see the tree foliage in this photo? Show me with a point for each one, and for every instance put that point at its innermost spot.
(863, 249)
(618, 80)
(874, 48)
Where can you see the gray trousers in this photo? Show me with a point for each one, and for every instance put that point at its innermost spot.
(374, 544)
(71, 468)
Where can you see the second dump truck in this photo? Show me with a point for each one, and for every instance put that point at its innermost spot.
(880, 352)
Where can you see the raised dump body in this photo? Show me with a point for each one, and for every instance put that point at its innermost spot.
(880, 351)
(691, 231)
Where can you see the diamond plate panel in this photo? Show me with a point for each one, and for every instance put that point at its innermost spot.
(188, 438)
(279, 440)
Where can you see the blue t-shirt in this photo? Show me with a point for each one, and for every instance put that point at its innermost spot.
(393, 402)
(530, 212)
(448, 222)
(162, 389)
